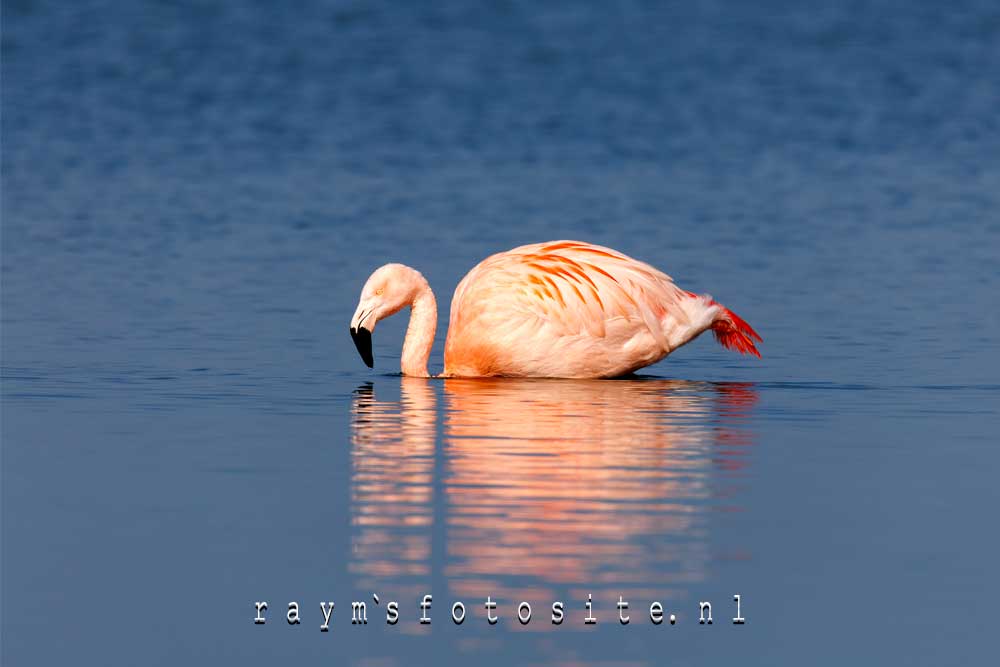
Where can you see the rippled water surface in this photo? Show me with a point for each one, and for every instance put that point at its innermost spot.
(194, 193)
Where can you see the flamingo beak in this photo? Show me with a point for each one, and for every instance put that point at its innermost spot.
(362, 326)
(363, 341)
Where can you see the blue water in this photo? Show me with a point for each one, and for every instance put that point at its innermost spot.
(194, 193)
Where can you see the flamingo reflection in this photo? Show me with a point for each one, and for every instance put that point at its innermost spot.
(552, 489)
(391, 496)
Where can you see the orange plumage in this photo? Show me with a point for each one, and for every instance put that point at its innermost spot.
(557, 309)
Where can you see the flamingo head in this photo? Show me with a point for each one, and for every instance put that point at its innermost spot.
(388, 290)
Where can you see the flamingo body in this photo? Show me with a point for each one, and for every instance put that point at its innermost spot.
(562, 309)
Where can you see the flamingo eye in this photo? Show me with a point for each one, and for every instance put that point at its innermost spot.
(379, 291)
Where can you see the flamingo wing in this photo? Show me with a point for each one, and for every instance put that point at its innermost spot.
(572, 298)
(578, 287)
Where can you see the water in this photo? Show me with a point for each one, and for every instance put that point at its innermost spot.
(193, 196)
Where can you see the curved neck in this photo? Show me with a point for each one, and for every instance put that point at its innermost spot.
(420, 332)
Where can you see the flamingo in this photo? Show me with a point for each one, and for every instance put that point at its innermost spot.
(562, 309)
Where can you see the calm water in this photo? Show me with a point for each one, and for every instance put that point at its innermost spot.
(193, 195)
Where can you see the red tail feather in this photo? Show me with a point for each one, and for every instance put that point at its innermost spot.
(734, 333)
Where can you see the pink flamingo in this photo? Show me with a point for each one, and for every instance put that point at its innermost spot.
(560, 309)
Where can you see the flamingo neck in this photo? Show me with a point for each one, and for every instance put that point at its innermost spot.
(420, 332)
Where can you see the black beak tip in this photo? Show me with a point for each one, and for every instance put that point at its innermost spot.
(363, 341)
